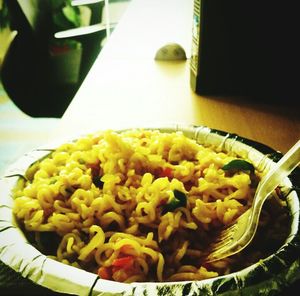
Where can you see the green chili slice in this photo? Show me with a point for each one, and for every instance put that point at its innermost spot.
(239, 165)
(178, 201)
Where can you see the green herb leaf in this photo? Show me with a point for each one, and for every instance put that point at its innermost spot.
(178, 201)
(239, 165)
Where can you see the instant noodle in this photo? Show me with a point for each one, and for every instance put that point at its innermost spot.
(142, 205)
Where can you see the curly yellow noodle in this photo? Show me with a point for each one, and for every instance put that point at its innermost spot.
(30, 191)
(143, 264)
(23, 205)
(82, 196)
(204, 212)
(110, 217)
(35, 220)
(87, 223)
(187, 274)
(46, 197)
(49, 166)
(97, 240)
(160, 267)
(153, 254)
(61, 248)
(69, 245)
(124, 194)
(41, 174)
(230, 215)
(60, 206)
(59, 158)
(149, 210)
(147, 179)
(189, 225)
(63, 189)
(107, 260)
(73, 216)
(181, 252)
(194, 253)
(62, 223)
(132, 229)
(104, 203)
(127, 241)
(145, 241)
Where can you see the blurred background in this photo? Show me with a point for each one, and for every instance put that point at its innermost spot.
(55, 45)
(46, 49)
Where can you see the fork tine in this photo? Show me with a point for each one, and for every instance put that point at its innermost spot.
(226, 233)
(226, 239)
(215, 249)
(217, 252)
(221, 242)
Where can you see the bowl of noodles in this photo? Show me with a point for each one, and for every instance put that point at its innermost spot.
(131, 212)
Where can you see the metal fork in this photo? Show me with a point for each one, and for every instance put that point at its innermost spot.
(237, 236)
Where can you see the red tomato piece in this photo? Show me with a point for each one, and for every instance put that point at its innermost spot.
(105, 273)
(123, 262)
(166, 172)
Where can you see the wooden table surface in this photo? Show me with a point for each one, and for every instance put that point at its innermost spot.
(126, 87)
